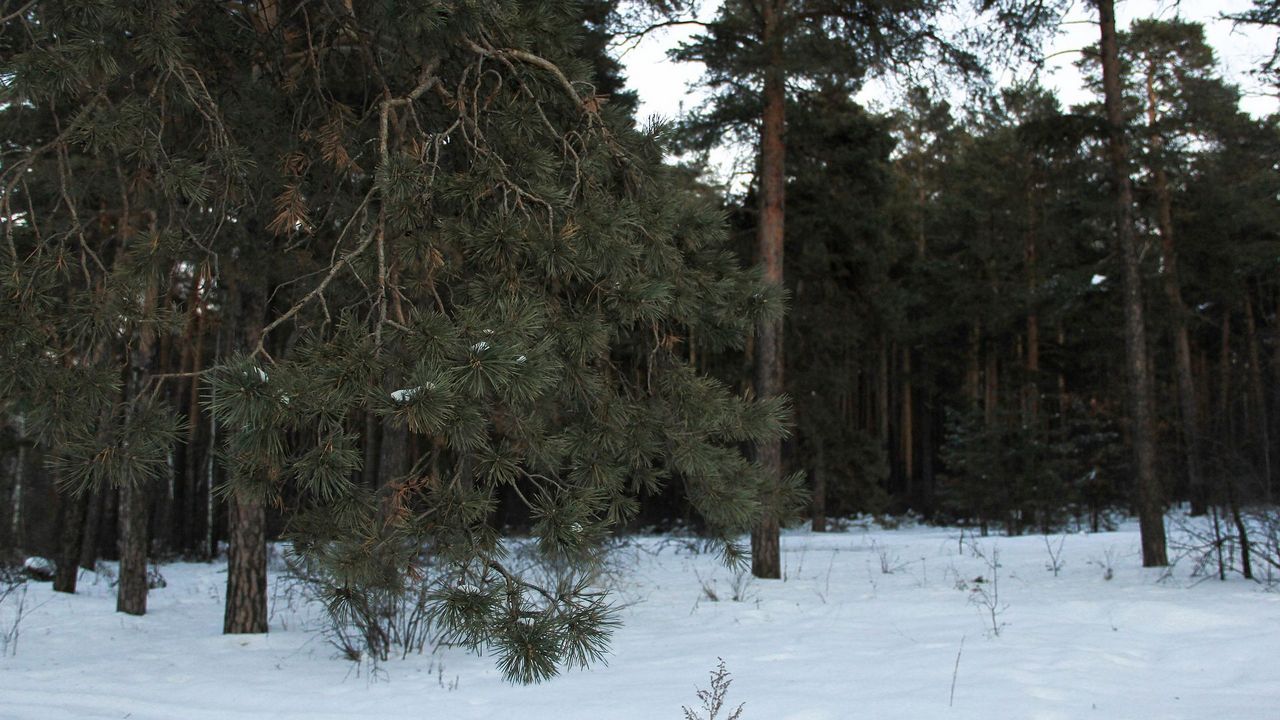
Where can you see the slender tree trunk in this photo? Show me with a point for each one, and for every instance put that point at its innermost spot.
(19, 477)
(70, 535)
(765, 550)
(973, 364)
(246, 604)
(131, 594)
(907, 436)
(1063, 400)
(1138, 373)
(89, 540)
(1187, 404)
(1242, 531)
(819, 487)
(882, 396)
(1031, 386)
(1224, 377)
(991, 386)
(925, 487)
(1258, 397)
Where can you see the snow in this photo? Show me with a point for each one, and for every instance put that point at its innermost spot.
(404, 395)
(40, 568)
(838, 638)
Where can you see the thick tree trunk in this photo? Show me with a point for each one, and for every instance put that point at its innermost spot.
(246, 603)
(765, 551)
(246, 608)
(1138, 373)
(131, 595)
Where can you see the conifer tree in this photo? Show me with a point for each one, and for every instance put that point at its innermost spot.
(433, 247)
(1150, 498)
(754, 52)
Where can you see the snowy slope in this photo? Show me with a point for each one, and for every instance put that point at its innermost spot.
(838, 639)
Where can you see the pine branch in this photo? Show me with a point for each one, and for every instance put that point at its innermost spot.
(17, 13)
(588, 105)
(333, 272)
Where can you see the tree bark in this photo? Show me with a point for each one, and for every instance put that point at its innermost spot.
(765, 550)
(1138, 374)
(1031, 385)
(908, 428)
(246, 603)
(19, 476)
(131, 595)
(70, 535)
(819, 488)
(973, 364)
(88, 559)
(1258, 398)
(246, 607)
(132, 591)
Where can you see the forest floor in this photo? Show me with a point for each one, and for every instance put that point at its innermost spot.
(869, 623)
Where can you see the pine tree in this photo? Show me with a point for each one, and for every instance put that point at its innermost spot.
(1150, 499)
(432, 247)
(752, 51)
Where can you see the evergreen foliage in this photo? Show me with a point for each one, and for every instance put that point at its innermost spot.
(435, 249)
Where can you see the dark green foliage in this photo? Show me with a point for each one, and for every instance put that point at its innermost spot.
(443, 267)
(1028, 477)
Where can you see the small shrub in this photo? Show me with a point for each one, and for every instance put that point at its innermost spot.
(713, 698)
(13, 604)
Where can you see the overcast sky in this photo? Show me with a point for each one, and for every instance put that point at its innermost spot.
(664, 86)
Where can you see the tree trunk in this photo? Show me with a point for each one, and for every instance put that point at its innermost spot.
(1258, 397)
(89, 540)
(819, 488)
(131, 596)
(1138, 373)
(882, 396)
(134, 508)
(246, 604)
(908, 428)
(925, 487)
(991, 387)
(246, 607)
(70, 535)
(765, 551)
(1224, 377)
(19, 476)
(973, 364)
(1031, 385)
(1187, 404)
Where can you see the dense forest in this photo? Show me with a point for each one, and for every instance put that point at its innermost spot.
(396, 281)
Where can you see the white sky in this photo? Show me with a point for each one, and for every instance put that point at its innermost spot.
(665, 86)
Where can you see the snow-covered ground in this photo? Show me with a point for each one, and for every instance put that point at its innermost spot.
(839, 638)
